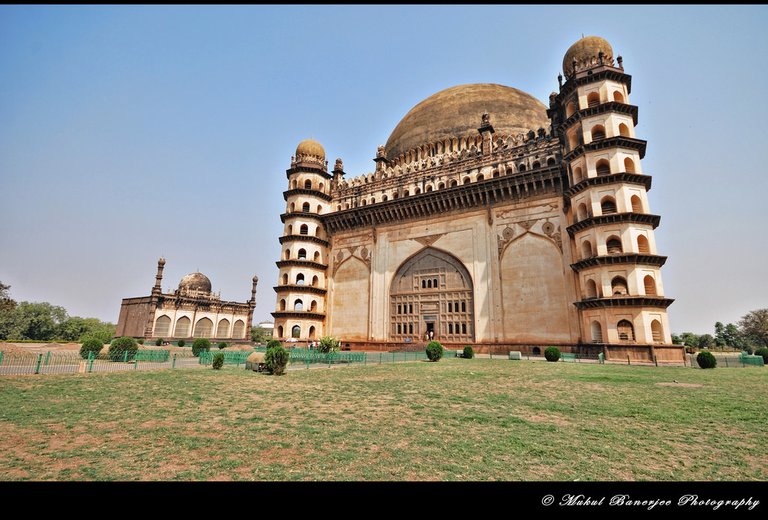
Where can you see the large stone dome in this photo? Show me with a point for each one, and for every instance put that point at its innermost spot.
(195, 282)
(310, 147)
(457, 112)
(586, 51)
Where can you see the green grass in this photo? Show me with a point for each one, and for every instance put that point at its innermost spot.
(452, 420)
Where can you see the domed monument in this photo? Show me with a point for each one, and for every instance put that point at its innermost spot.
(490, 219)
(193, 310)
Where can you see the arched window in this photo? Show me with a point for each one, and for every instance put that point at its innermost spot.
(308, 184)
(570, 109)
(319, 208)
(450, 306)
(285, 278)
(454, 183)
(321, 186)
(536, 165)
(637, 204)
(450, 328)
(551, 161)
(650, 285)
(521, 167)
(300, 279)
(282, 305)
(597, 332)
(642, 245)
(305, 207)
(618, 96)
(222, 329)
(481, 177)
(384, 198)
(626, 330)
(162, 327)
(495, 174)
(423, 284)
(302, 254)
(338, 207)
(399, 328)
(280, 331)
(373, 200)
(238, 329)
(203, 328)
(429, 188)
(603, 167)
(296, 331)
(312, 332)
(293, 207)
(295, 184)
(316, 258)
(434, 283)
(290, 229)
(410, 308)
(623, 130)
(581, 212)
(598, 132)
(629, 165)
(463, 306)
(304, 229)
(608, 205)
(406, 193)
(399, 309)
(536, 351)
(183, 325)
(417, 191)
(298, 305)
(614, 245)
(410, 328)
(395, 195)
(619, 286)
(586, 249)
(577, 175)
(313, 306)
(365, 202)
(315, 281)
(466, 180)
(591, 289)
(593, 99)
(657, 333)
(463, 328)
(287, 254)
(441, 186)
(429, 284)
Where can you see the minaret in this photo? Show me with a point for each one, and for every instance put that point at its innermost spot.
(159, 276)
(622, 307)
(252, 303)
(301, 287)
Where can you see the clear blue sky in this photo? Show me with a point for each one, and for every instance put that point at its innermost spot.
(130, 132)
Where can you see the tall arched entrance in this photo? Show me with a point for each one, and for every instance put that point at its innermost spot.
(431, 291)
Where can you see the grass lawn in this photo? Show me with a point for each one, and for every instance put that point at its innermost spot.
(457, 419)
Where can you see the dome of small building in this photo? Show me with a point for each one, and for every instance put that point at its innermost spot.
(195, 282)
(310, 147)
(586, 51)
(456, 113)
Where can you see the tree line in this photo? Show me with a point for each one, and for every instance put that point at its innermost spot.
(750, 334)
(41, 321)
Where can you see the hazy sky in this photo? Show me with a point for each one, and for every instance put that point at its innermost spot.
(130, 132)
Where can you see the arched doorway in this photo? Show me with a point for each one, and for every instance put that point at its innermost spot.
(432, 291)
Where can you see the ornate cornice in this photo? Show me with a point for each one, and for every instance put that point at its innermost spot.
(302, 315)
(630, 258)
(307, 169)
(295, 262)
(302, 191)
(301, 214)
(615, 218)
(618, 141)
(657, 302)
(303, 238)
(612, 178)
(593, 75)
(610, 106)
(299, 289)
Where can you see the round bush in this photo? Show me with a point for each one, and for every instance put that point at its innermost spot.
(552, 353)
(273, 343)
(91, 345)
(469, 352)
(123, 349)
(434, 351)
(763, 351)
(276, 360)
(140, 341)
(222, 345)
(159, 342)
(218, 360)
(181, 343)
(705, 359)
(199, 345)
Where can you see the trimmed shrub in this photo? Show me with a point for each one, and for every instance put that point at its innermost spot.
(328, 344)
(218, 360)
(222, 345)
(91, 345)
(273, 343)
(434, 351)
(199, 345)
(552, 353)
(705, 359)
(276, 360)
(159, 342)
(119, 347)
(181, 343)
(468, 353)
(140, 341)
(763, 351)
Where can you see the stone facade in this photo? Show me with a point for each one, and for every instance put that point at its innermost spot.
(191, 311)
(489, 220)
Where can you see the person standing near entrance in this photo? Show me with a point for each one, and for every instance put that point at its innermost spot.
(431, 335)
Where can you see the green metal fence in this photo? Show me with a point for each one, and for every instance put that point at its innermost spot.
(236, 357)
(732, 361)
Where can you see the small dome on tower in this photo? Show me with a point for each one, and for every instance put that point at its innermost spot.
(195, 282)
(585, 52)
(310, 147)
(161, 261)
(255, 279)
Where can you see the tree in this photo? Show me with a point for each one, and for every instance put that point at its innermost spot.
(77, 329)
(328, 344)
(260, 334)
(676, 339)
(36, 321)
(706, 341)
(754, 327)
(690, 339)
(5, 298)
(720, 334)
